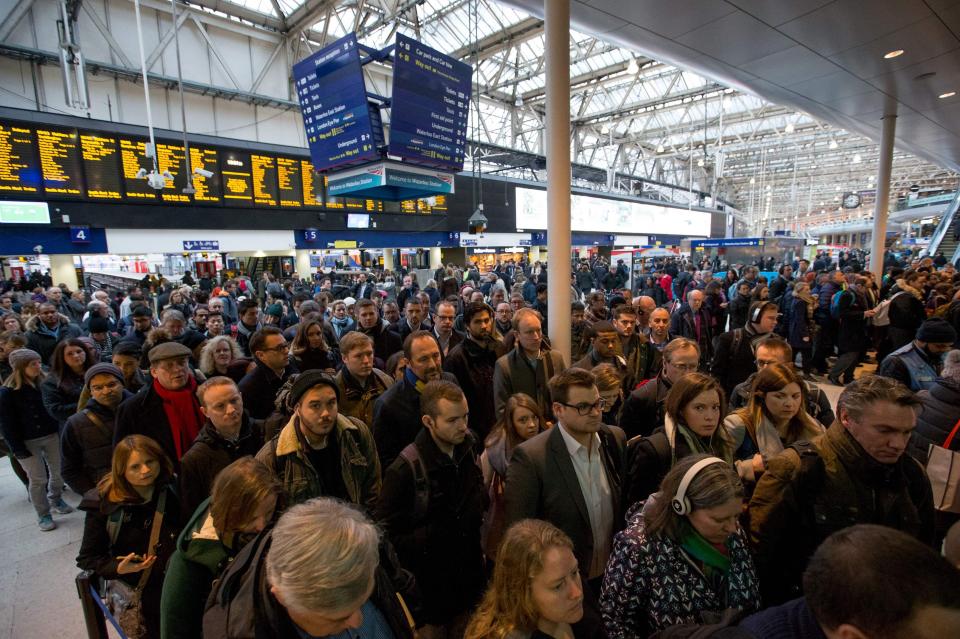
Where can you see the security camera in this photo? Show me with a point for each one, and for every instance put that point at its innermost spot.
(203, 173)
(38, 249)
(157, 181)
(141, 174)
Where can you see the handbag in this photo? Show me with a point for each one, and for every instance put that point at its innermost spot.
(943, 469)
(125, 602)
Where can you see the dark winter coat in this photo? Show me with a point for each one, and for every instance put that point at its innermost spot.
(385, 341)
(906, 314)
(86, 448)
(852, 336)
(682, 324)
(734, 361)
(260, 386)
(738, 309)
(473, 365)
(23, 417)
(442, 549)
(938, 417)
(44, 343)
(210, 454)
(800, 331)
(61, 396)
(644, 408)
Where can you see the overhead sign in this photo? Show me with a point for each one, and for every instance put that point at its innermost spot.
(336, 114)
(390, 181)
(726, 242)
(201, 245)
(24, 213)
(80, 234)
(430, 106)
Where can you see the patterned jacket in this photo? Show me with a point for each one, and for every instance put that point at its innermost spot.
(651, 584)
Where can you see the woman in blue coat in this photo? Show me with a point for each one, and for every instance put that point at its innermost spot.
(802, 328)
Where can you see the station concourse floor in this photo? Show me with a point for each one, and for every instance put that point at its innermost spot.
(38, 598)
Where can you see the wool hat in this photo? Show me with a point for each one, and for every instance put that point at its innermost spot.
(274, 309)
(98, 325)
(22, 356)
(306, 381)
(102, 368)
(168, 350)
(937, 331)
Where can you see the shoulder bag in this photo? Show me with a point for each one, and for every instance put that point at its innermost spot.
(943, 469)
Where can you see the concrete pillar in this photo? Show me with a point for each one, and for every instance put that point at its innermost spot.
(63, 272)
(557, 139)
(303, 264)
(436, 258)
(883, 195)
(533, 254)
(388, 259)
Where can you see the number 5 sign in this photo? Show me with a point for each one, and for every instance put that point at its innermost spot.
(80, 234)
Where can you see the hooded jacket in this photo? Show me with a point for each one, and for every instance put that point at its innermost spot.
(44, 342)
(23, 417)
(86, 447)
(285, 456)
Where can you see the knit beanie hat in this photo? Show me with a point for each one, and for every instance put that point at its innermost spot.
(937, 331)
(102, 368)
(275, 310)
(22, 356)
(98, 325)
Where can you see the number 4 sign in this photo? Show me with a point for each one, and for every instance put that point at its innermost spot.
(80, 234)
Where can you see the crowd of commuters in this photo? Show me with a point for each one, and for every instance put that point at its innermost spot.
(343, 458)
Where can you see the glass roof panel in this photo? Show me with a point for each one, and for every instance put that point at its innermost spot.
(260, 6)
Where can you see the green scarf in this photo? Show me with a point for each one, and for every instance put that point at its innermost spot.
(714, 562)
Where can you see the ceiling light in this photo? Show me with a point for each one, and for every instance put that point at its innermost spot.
(788, 128)
(838, 188)
(753, 180)
(948, 94)
(633, 68)
(660, 148)
(604, 129)
(856, 158)
(833, 144)
(896, 53)
(518, 102)
(700, 162)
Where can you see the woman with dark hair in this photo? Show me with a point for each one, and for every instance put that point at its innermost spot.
(64, 385)
(521, 420)
(310, 350)
(33, 435)
(715, 303)
(240, 506)
(122, 537)
(12, 322)
(536, 590)
(396, 365)
(683, 556)
(775, 417)
(693, 410)
(802, 329)
(650, 288)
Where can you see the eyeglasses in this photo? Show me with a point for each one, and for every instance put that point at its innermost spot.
(279, 348)
(586, 409)
(686, 368)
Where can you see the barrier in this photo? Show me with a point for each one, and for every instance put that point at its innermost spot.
(95, 613)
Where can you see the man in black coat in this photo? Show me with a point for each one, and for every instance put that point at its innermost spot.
(228, 434)
(396, 413)
(385, 341)
(171, 392)
(733, 359)
(543, 479)
(47, 329)
(259, 387)
(413, 320)
(692, 321)
(643, 412)
(473, 361)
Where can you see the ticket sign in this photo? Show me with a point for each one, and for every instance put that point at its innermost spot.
(430, 106)
(333, 99)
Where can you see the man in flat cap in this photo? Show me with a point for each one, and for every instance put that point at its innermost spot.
(321, 452)
(167, 409)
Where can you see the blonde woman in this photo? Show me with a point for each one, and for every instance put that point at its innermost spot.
(222, 356)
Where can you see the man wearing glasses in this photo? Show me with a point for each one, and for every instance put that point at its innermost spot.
(733, 360)
(643, 412)
(259, 387)
(571, 475)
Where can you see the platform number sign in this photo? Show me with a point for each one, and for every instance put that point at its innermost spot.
(80, 234)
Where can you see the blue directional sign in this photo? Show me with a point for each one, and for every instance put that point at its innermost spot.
(430, 106)
(336, 113)
(80, 234)
(201, 245)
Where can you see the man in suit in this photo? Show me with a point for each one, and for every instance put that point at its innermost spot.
(571, 475)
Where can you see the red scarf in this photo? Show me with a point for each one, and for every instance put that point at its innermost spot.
(183, 412)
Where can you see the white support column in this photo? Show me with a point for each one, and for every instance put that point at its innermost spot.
(436, 258)
(533, 254)
(63, 271)
(304, 270)
(883, 195)
(388, 259)
(557, 139)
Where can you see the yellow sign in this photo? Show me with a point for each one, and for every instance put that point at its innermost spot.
(345, 244)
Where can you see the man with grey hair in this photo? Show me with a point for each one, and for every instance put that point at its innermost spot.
(319, 572)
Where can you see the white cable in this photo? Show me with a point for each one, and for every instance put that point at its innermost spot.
(146, 85)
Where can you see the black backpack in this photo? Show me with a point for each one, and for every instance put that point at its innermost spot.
(232, 608)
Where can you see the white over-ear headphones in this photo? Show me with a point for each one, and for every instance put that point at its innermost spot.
(680, 503)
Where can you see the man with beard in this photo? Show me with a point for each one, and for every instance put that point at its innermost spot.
(396, 413)
(503, 322)
(473, 361)
(385, 341)
(47, 329)
(321, 452)
(917, 365)
(643, 360)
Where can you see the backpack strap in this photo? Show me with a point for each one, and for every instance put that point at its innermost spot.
(96, 421)
(737, 340)
(421, 499)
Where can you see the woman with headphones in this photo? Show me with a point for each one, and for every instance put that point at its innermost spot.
(775, 417)
(693, 411)
(683, 556)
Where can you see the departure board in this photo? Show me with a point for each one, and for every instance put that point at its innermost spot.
(19, 167)
(209, 189)
(132, 159)
(60, 164)
(312, 183)
(289, 183)
(435, 204)
(101, 166)
(263, 169)
(237, 178)
(172, 159)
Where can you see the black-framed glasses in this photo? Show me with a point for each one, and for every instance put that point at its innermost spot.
(586, 409)
(279, 348)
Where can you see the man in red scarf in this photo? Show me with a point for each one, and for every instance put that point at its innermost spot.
(167, 409)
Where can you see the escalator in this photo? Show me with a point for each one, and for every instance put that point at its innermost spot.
(945, 236)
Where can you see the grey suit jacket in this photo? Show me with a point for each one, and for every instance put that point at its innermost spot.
(542, 484)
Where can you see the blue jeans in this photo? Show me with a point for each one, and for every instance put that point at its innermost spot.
(44, 490)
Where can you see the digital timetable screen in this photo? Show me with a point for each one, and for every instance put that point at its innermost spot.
(76, 164)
